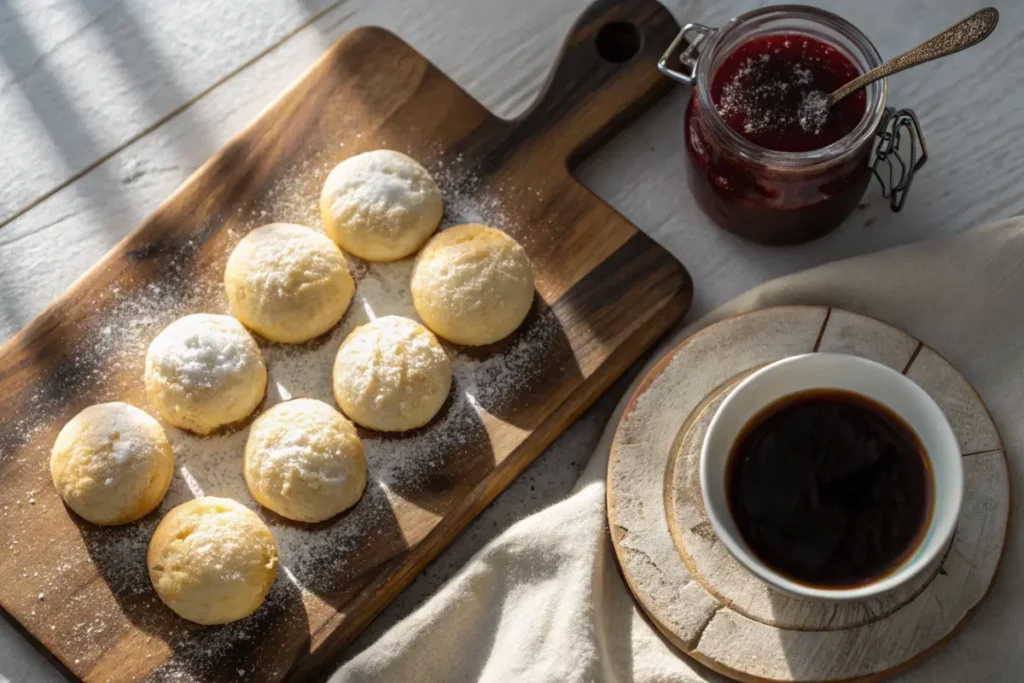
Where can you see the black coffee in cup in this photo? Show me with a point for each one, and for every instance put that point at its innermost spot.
(830, 488)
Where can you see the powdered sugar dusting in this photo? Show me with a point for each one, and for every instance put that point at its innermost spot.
(392, 199)
(201, 351)
(123, 450)
(756, 97)
(813, 112)
(392, 374)
(495, 382)
(773, 89)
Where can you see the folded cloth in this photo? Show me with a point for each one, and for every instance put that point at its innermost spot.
(545, 601)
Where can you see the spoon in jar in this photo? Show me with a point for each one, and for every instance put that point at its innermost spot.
(960, 36)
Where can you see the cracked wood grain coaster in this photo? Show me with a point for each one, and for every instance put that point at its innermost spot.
(695, 591)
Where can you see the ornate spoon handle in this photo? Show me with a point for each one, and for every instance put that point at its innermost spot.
(959, 36)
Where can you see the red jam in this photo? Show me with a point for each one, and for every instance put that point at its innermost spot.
(760, 91)
(769, 92)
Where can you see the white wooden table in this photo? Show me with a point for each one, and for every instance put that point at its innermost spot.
(107, 105)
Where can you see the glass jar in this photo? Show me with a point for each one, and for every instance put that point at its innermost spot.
(769, 196)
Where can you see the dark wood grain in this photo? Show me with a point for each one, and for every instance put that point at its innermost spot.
(609, 291)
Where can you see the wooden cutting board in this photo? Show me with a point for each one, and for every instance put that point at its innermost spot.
(606, 293)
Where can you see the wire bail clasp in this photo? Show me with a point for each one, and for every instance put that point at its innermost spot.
(689, 56)
(896, 185)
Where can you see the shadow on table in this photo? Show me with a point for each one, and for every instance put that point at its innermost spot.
(521, 379)
(136, 57)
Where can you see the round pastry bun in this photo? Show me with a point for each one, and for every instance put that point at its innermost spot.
(212, 560)
(380, 205)
(472, 285)
(391, 375)
(204, 371)
(304, 461)
(112, 463)
(288, 283)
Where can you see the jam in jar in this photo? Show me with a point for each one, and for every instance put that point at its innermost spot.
(767, 160)
(769, 91)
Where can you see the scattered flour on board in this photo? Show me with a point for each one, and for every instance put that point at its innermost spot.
(108, 363)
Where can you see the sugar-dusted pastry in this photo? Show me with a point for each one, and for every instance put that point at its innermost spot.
(212, 560)
(472, 285)
(391, 375)
(304, 461)
(112, 463)
(204, 371)
(380, 205)
(288, 283)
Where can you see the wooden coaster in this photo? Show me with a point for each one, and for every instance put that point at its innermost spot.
(693, 589)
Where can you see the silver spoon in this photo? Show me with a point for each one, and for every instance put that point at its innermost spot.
(959, 36)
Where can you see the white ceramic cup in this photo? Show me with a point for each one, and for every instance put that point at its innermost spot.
(867, 378)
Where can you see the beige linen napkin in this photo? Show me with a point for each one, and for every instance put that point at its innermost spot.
(545, 601)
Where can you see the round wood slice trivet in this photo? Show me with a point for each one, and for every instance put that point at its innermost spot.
(701, 598)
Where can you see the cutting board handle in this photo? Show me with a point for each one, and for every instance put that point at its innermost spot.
(605, 76)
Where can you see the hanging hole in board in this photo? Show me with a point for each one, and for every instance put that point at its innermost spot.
(619, 42)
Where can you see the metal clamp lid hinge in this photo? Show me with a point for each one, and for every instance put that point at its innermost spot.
(896, 185)
(689, 56)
